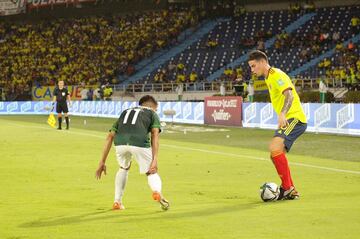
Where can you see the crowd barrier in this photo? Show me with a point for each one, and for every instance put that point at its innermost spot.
(323, 118)
(186, 112)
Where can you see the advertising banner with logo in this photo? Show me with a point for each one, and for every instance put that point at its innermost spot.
(46, 92)
(185, 112)
(49, 3)
(260, 85)
(323, 118)
(24, 108)
(223, 110)
(326, 118)
(12, 7)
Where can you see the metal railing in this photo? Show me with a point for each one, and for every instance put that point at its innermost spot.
(306, 84)
(313, 83)
(171, 87)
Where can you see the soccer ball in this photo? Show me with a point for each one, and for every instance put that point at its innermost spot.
(269, 192)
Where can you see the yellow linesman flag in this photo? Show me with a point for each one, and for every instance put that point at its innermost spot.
(51, 120)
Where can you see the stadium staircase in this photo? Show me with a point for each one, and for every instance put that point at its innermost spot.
(269, 43)
(148, 65)
(327, 54)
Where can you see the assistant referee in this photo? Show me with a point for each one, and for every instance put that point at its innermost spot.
(61, 95)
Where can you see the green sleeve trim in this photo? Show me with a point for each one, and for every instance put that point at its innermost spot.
(113, 130)
(156, 122)
(114, 127)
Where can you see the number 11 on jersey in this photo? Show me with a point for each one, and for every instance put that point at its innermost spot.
(135, 116)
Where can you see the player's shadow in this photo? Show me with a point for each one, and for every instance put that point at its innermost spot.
(128, 217)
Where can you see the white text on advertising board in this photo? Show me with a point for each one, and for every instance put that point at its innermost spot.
(221, 115)
(222, 103)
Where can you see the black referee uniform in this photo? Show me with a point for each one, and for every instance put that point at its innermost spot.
(61, 105)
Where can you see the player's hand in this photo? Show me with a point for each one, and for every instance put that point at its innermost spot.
(101, 168)
(153, 167)
(282, 122)
(70, 104)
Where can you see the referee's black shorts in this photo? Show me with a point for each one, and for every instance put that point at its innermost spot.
(291, 132)
(61, 107)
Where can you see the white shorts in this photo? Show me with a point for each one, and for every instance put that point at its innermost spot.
(143, 156)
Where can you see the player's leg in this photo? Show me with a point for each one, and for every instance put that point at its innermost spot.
(155, 184)
(143, 156)
(124, 159)
(285, 138)
(59, 115)
(277, 151)
(66, 111)
(120, 183)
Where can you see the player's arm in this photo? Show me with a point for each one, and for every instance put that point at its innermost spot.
(155, 150)
(54, 99)
(289, 97)
(108, 142)
(53, 102)
(68, 98)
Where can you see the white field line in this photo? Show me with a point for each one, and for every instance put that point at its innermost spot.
(259, 158)
(203, 151)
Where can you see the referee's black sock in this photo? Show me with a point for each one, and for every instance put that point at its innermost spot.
(59, 120)
(67, 122)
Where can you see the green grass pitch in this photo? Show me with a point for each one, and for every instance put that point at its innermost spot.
(211, 175)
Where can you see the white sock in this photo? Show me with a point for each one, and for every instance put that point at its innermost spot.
(154, 182)
(120, 182)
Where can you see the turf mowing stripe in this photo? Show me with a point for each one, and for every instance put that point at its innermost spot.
(259, 158)
(205, 151)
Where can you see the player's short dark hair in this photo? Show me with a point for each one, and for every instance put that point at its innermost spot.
(257, 55)
(147, 98)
